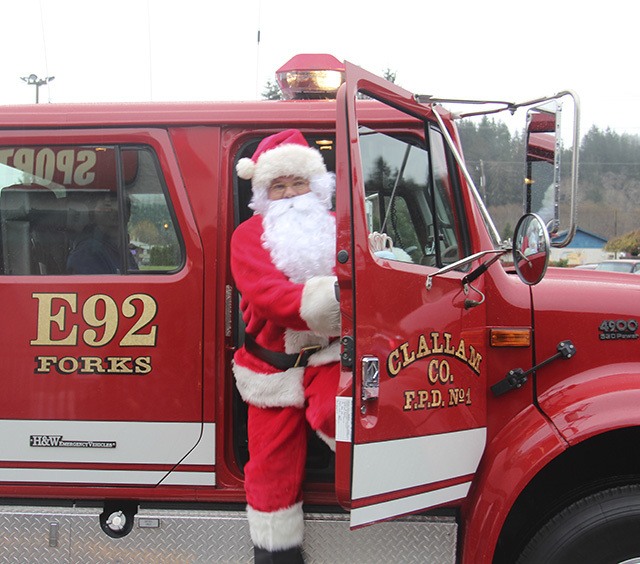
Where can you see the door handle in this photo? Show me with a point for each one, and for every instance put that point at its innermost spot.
(370, 378)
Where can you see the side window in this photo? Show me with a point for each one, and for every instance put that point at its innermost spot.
(84, 210)
(151, 229)
(409, 199)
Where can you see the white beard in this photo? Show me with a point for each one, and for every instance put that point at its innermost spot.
(300, 234)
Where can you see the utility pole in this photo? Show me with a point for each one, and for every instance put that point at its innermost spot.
(483, 182)
(33, 80)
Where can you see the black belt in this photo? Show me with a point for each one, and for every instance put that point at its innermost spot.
(279, 360)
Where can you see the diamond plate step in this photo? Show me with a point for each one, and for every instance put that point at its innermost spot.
(67, 535)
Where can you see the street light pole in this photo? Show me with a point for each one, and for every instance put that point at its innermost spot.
(33, 80)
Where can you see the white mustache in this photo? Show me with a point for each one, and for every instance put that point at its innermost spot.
(300, 203)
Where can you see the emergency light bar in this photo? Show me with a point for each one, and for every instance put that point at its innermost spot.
(310, 77)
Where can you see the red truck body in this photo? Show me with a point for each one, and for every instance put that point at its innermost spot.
(118, 387)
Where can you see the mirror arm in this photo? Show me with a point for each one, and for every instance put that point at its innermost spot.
(474, 274)
(571, 231)
(467, 176)
(463, 261)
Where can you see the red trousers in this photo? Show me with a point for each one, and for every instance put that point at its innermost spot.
(278, 441)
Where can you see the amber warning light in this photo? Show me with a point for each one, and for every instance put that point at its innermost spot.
(310, 77)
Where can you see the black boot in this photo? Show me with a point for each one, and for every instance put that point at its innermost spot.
(289, 556)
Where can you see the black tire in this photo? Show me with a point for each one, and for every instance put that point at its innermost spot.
(602, 528)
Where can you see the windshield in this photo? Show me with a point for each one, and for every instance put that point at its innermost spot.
(486, 218)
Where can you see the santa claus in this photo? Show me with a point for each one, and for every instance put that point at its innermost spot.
(282, 261)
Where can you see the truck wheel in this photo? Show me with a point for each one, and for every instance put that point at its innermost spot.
(602, 527)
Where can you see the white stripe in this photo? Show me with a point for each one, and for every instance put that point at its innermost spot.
(79, 476)
(190, 479)
(136, 442)
(387, 509)
(104, 477)
(389, 466)
(205, 451)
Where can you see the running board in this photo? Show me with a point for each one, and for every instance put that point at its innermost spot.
(73, 535)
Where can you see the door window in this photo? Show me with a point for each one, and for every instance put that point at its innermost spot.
(409, 198)
(84, 210)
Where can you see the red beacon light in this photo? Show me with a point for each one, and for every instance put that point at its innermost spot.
(310, 77)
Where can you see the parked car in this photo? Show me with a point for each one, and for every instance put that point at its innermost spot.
(620, 265)
(588, 266)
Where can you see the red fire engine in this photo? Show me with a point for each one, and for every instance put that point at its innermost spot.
(493, 416)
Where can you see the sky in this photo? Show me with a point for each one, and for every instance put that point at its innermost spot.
(161, 50)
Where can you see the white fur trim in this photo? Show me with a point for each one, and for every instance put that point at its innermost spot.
(281, 389)
(326, 355)
(324, 186)
(295, 341)
(276, 530)
(319, 306)
(245, 168)
(331, 443)
(287, 160)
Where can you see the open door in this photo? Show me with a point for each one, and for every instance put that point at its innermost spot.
(411, 408)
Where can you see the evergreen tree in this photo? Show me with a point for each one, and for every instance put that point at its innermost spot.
(490, 150)
(271, 91)
(389, 75)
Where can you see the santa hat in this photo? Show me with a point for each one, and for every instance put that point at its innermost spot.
(283, 154)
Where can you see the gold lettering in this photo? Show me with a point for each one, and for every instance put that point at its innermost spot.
(394, 356)
(448, 349)
(46, 317)
(436, 347)
(409, 396)
(459, 396)
(432, 372)
(438, 343)
(444, 372)
(91, 365)
(423, 399)
(108, 321)
(423, 347)
(474, 359)
(134, 338)
(45, 363)
(461, 353)
(118, 365)
(67, 365)
(407, 358)
(142, 365)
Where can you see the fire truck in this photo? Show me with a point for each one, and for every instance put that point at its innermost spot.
(487, 407)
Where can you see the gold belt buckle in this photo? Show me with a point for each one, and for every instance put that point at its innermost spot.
(305, 353)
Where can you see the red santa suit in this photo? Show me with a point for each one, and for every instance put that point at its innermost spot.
(287, 372)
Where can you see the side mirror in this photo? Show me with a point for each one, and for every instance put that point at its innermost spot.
(542, 180)
(546, 194)
(531, 248)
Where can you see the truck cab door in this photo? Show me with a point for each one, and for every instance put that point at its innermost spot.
(411, 408)
(102, 285)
